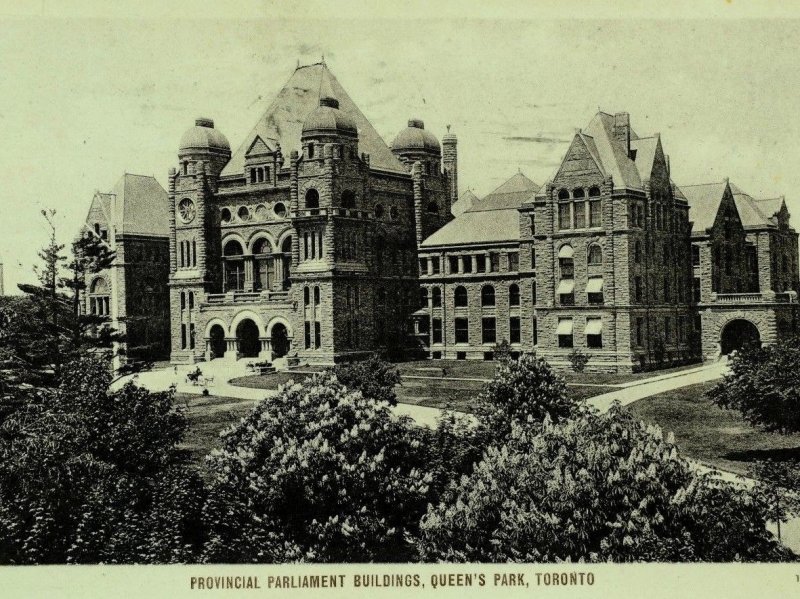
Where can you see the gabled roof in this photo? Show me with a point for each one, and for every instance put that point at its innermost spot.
(704, 202)
(479, 226)
(282, 122)
(492, 219)
(511, 194)
(136, 205)
(613, 156)
(465, 201)
(770, 206)
(646, 150)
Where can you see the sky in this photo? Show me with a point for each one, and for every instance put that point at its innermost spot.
(83, 101)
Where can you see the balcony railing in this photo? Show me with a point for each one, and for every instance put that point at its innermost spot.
(247, 296)
(788, 297)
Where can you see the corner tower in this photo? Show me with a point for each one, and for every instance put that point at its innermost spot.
(194, 231)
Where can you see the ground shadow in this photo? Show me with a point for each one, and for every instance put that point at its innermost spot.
(783, 454)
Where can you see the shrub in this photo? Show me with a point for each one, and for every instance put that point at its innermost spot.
(374, 377)
(502, 350)
(764, 385)
(524, 390)
(578, 360)
(318, 473)
(594, 487)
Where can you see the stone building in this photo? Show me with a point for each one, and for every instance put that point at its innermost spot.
(612, 259)
(745, 267)
(132, 219)
(303, 242)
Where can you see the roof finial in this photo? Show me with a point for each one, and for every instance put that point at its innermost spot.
(323, 61)
(448, 128)
(298, 63)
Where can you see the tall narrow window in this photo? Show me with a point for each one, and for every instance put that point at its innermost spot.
(436, 297)
(461, 326)
(436, 330)
(564, 333)
(488, 330)
(564, 215)
(513, 261)
(595, 257)
(487, 295)
(594, 332)
(514, 332)
(513, 295)
(595, 217)
(460, 297)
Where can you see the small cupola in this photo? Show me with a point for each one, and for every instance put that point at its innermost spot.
(328, 119)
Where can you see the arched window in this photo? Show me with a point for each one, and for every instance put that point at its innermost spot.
(436, 295)
(637, 252)
(487, 295)
(348, 199)
(183, 301)
(306, 296)
(316, 295)
(264, 265)
(312, 200)
(233, 266)
(433, 208)
(378, 211)
(594, 192)
(460, 297)
(595, 254)
(310, 150)
(563, 194)
(286, 262)
(232, 248)
(513, 295)
(578, 193)
(99, 298)
(423, 297)
(225, 216)
(191, 300)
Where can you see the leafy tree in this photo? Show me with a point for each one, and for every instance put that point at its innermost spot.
(764, 385)
(88, 475)
(374, 377)
(778, 486)
(524, 390)
(317, 473)
(595, 487)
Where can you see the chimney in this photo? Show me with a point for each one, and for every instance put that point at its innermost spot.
(622, 129)
(450, 164)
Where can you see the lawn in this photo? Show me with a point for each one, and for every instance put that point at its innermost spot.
(208, 417)
(710, 434)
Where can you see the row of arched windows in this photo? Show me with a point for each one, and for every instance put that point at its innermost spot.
(579, 210)
(488, 299)
(270, 270)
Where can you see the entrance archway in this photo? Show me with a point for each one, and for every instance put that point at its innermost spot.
(247, 339)
(217, 341)
(280, 340)
(738, 333)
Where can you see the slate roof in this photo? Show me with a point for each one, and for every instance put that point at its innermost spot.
(137, 204)
(493, 219)
(770, 206)
(465, 201)
(704, 201)
(282, 122)
(646, 148)
(511, 194)
(611, 153)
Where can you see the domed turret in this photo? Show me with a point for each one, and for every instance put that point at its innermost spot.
(327, 119)
(203, 137)
(415, 138)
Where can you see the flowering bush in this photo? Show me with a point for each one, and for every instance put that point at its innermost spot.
(595, 487)
(374, 377)
(318, 473)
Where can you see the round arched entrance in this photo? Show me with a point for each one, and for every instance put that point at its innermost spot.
(247, 339)
(217, 341)
(280, 340)
(738, 333)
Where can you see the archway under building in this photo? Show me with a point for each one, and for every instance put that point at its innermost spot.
(737, 334)
(247, 339)
(217, 341)
(280, 340)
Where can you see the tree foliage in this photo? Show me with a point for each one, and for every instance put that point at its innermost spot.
(764, 386)
(90, 475)
(318, 472)
(595, 487)
(374, 377)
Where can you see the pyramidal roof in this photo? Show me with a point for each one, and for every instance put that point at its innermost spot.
(511, 194)
(465, 201)
(282, 122)
(136, 205)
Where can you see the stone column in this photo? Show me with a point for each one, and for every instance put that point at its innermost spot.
(266, 348)
(461, 264)
(248, 274)
(207, 341)
(232, 352)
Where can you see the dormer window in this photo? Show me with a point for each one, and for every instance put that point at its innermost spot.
(259, 174)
